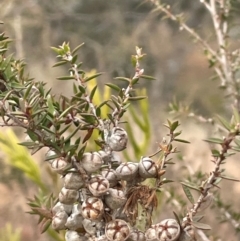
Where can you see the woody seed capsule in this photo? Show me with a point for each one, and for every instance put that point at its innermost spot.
(137, 235)
(60, 165)
(147, 168)
(91, 162)
(117, 230)
(92, 208)
(68, 196)
(59, 220)
(168, 230)
(98, 185)
(74, 221)
(127, 171)
(117, 140)
(151, 233)
(115, 198)
(62, 207)
(111, 176)
(73, 180)
(74, 236)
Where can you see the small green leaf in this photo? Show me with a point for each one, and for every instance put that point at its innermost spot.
(102, 104)
(32, 135)
(136, 98)
(202, 226)
(65, 112)
(188, 193)
(81, 151)
(177, 218)
(57, 50)
(225, 123)
(173, 126)
(110, 118)
(92, 77)
(98, 112)
(74, 59)
(28, 144)
(82, 89)
(190, 186)
(236, 116)
(166, 181)
(123, 79)
(55, 156)
(77, 48)
(51, 108)
(45, 226)
(177, 134)
(93, 92)
(215, 153)
(133, 60)
(181, 140)
(29, 88)
(147, 77)
(230, 178)
(215, 140)
(115, 102)
(236, 148)
(134, 81)
(64, 130)
(60, 63)
(66, 78)
(114, 87)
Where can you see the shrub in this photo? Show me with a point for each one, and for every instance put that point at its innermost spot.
(105, 196)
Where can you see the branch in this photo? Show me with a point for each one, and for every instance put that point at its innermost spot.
(214, 175)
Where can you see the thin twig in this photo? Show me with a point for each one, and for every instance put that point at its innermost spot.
(210, 182)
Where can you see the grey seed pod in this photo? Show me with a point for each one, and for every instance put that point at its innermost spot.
(105, 156)
(115, 198)
(60, 165)
(98, 185)
(137, 235)
(91, 162)
(127, 171)
(92, 208)
(62, 207)
(74, 236)
(74, 221)
(111, 176)
(151, 233)
(59, 220)
(68, 196)
(147, 168)
(99, 238)
(89, 226)
(115, 160)
(168, 230)
(77, 208)
(117, 230)
(73, 180)
(117, 140)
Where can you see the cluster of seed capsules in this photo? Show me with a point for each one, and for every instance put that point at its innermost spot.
(90, 206)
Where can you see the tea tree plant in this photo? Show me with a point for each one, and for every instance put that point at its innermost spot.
(105, 196)
(102, 196)
(223, 58)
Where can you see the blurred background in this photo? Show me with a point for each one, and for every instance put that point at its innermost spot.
(111, 30)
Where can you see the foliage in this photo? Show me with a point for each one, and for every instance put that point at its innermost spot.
(84, 130)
